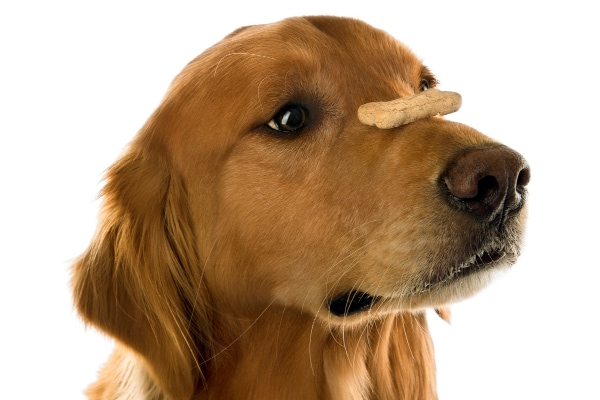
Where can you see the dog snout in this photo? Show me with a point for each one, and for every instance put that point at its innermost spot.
(487, 182)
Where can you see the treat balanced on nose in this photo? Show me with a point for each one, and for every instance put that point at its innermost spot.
(402, 111)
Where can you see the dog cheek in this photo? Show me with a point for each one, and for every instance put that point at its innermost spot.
(266, 229)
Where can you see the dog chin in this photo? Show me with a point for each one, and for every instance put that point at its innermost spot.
(455, 289)
(355, 306)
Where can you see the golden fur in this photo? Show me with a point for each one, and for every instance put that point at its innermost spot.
(222, 241)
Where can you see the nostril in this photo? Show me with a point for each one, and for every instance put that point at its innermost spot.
(523, 177)
(487, 188)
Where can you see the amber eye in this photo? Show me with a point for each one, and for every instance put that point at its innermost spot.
(290, 118)
(424, 85)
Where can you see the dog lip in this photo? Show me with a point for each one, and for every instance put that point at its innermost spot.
(351, 302)
(476, 262)
(488, 257)
(479, 261)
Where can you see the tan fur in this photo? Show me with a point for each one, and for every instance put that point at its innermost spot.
(221, 242)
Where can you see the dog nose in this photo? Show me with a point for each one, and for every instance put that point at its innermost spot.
(487, 182)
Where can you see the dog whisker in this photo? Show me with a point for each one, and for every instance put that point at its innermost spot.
(406, 338)
(239, 336)
(240, 54)
(356, 254)
(199, 283)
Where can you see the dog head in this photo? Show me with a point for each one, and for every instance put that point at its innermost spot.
(255, 184)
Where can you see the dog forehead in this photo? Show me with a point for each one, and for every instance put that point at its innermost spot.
(328, 37)
(343, 50)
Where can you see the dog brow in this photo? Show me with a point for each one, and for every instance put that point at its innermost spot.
(240, 54)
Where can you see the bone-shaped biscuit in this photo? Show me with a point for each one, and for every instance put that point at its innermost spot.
(402, 111)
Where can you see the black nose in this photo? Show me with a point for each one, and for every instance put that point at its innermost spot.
(487, 182)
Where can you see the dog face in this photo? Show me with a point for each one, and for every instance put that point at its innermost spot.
(255, 185)
(306, 204)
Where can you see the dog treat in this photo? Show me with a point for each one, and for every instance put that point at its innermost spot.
(402, 111)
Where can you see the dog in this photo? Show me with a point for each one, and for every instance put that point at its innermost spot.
(257, 241)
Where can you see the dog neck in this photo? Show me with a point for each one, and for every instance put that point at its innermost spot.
(285, 355)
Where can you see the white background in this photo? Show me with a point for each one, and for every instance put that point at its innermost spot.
(77, 80)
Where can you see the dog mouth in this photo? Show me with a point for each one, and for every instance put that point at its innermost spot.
(352, 302)
(482, 260)
(356, 301)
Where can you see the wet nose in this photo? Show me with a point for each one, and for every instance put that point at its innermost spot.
(487, 182)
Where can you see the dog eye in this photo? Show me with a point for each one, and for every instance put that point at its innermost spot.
(424, 85)
(289, 119)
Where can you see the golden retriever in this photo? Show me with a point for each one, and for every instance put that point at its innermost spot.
(257, 241)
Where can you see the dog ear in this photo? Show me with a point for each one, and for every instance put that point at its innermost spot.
(140, 279)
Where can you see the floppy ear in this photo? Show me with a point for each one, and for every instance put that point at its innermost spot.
(140, 279)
